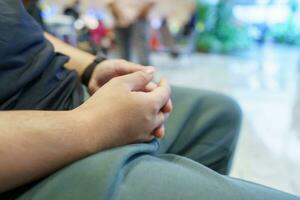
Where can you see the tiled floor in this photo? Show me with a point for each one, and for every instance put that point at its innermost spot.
(266, 84)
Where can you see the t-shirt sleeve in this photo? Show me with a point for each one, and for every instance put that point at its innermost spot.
(21, 38)
(32, 75)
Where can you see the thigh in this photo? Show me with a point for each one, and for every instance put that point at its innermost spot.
(172, 177)
(133, 172)
(200, 109)
(95, 177)
(204, 126)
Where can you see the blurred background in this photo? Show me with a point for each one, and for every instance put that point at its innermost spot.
(247, 49)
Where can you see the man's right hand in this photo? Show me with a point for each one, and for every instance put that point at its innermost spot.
(127, 109)
(124, 111)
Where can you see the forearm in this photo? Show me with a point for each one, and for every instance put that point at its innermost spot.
(37, 143)
(79, 59)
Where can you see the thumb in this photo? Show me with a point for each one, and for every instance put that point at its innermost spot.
(93, 86)
(138, 80)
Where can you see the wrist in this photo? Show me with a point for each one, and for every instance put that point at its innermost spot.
(88, 130)
(81, 134)
(87, 73)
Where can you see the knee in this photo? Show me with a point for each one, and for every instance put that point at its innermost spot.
(226, 111)
(227, 116)
(229, 110)
(212, 103)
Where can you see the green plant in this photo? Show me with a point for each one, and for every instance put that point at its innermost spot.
(219, 31)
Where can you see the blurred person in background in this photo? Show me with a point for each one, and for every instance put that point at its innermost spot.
(132, 28)
(73, 10)
(101, 38)
(116, 144)
(173, 17)
(133, 25)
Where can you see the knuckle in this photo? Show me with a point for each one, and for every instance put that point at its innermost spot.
(147, 118)
(142, 76)
(122, 61)
(161, 118)
(116, 80)
(153, 106)
(150, 112)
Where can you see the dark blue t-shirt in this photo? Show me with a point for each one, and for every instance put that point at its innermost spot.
(32, 75)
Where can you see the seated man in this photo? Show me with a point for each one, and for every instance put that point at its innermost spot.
(115, 145)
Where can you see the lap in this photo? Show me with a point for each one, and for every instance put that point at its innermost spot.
(204, 126)
(191, 102)
(152, 170)
(133, 172)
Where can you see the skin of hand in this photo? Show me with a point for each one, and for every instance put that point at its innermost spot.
(109, 69)
(167, 109)
(126, 111)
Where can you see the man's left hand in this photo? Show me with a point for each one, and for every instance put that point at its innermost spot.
(109, 69)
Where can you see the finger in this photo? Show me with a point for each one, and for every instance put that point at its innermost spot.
(125, 67)
(161, 94)
(168, 107)
(150, 87)
(147, 138)
(138, 80)
(159, 132)
(93, 87)
(161, 119)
